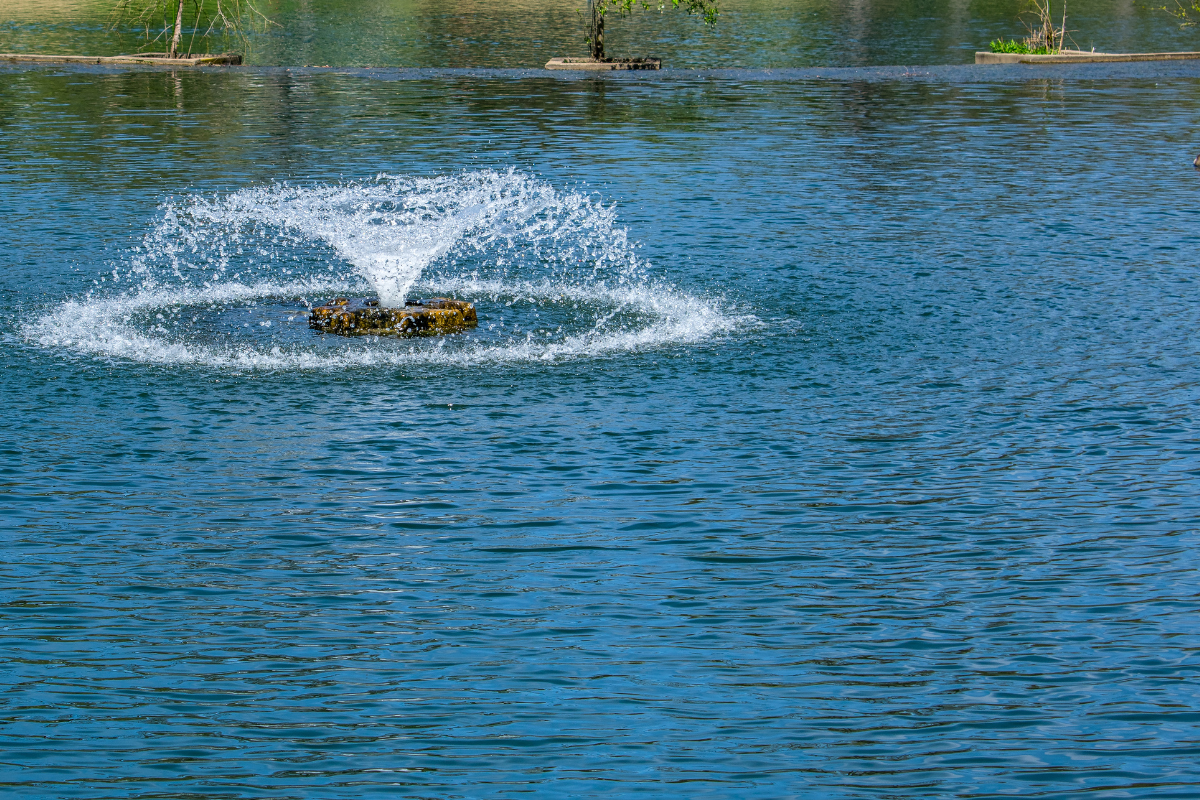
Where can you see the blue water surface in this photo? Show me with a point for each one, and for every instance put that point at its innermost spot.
(864, 465)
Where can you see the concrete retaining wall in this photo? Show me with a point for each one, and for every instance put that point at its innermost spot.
(144, 58)
(1077, 57)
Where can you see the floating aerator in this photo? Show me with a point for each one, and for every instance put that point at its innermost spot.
(365, 317)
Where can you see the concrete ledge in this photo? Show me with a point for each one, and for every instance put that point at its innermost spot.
(1078, 57)
(158, 59)
(592, 64)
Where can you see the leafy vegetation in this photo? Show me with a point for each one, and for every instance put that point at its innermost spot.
(599, 9)
(208, 21)
(1014, 46)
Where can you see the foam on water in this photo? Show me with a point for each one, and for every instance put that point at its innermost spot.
(228, 280)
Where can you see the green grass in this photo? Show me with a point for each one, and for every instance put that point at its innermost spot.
(1013, 46)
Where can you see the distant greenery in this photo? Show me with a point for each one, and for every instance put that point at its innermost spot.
(598, 9)
(1013, 46)
(705, 8)
(1187, 15)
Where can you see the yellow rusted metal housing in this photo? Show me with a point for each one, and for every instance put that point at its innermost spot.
(365, 317)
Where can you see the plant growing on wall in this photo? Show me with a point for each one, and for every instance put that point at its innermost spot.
(166, 20)
(1042, 32)
(599, 9)
(1044, 35)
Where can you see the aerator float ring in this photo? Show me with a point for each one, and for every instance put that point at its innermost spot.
(365, 317)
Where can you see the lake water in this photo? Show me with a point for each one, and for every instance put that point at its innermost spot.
(827, 433)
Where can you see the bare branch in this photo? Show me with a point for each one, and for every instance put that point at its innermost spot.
(208, 20)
